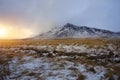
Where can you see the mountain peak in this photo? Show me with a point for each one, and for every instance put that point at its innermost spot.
(68, 24)
(75, 26)
(72, 31)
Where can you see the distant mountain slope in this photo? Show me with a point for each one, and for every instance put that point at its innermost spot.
(73, 31)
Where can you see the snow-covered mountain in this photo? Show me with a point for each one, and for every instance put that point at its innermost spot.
(73, 31)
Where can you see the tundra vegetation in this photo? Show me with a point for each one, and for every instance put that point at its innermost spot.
(60, 59)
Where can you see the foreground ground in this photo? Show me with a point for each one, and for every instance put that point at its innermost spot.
(64, 59)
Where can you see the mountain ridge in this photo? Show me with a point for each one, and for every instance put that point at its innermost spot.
(72, 31)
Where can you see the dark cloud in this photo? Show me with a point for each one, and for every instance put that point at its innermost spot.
(41, 15)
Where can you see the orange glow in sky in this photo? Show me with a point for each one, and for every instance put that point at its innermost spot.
(3, 32)
(13, 32)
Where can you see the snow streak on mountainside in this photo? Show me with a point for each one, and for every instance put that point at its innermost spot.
(73, 31)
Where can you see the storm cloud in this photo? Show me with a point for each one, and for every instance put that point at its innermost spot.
(41, 15)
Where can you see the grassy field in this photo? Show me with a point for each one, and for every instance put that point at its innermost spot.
(60, 59)
(89, 42)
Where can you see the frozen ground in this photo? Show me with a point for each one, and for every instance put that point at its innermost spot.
(61, 62)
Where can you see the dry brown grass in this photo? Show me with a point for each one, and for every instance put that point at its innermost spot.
(81, 77)
(73, 68)
(115, 71)
(90, 42)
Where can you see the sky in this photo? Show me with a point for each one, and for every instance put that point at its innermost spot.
(32, 17)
